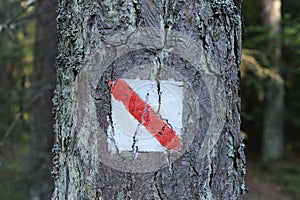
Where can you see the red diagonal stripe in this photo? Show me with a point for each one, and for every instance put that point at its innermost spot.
(145, 115)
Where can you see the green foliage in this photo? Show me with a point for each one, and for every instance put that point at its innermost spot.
(290, 55)
(256, 37)
(251, 12)
(291, 35)
(16, 62)
(254, 74)
(258, 69)
(13, 176)
(286, 175)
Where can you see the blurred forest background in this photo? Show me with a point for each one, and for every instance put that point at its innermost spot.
(270, 82)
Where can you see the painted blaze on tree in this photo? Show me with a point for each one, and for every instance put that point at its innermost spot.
(145, 115)
(147, 103)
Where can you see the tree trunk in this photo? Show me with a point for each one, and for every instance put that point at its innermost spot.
(43, 83)
(188, 53)
(273, 132)
(4, 81)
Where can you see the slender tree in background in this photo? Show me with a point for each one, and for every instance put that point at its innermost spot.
(83, 26)
(273, 131)
(43, 82)
(4, 72)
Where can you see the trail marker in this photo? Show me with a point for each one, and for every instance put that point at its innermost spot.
(146, 115)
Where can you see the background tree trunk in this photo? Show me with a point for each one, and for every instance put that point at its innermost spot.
(273, 132)
(4, 82)
(43, 82)
(82, 26)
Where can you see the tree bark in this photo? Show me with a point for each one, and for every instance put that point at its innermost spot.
(79, 169)
(273, 131)
(43, 83)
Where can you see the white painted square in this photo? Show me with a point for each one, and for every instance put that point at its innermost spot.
(125, 126)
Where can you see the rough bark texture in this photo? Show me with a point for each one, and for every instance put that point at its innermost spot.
(82, 26)
(43, 83)
(273, 132)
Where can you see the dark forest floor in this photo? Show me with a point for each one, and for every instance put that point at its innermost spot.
(277, 181)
